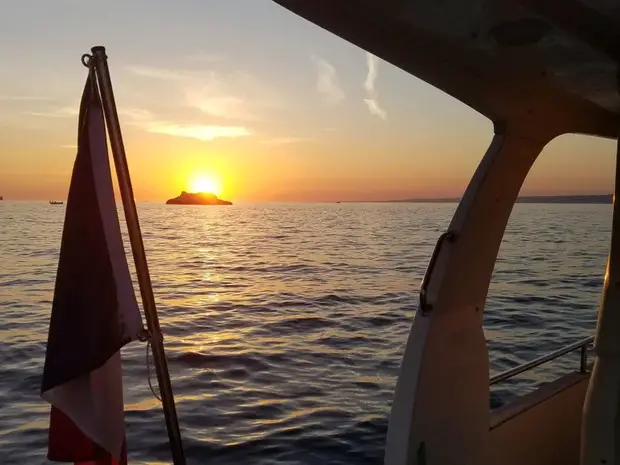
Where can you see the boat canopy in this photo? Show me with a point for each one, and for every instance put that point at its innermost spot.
(521, 61)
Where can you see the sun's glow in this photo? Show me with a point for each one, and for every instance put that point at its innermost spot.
(205, 184)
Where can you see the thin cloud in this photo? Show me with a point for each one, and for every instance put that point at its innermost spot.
(236, 95)
(69, 146)
(371, 77)
(136, 114)
(286, 140)
(64, 112)
(371, 100)
(327, 82)
(145, 120)
(375, 109)
(199, 131)
(158, 73)
(222, 106)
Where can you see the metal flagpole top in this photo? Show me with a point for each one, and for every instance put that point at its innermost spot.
(98, 51)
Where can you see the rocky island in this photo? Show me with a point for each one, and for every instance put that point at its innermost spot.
(199, 198)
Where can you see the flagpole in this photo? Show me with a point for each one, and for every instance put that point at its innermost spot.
(137, 246)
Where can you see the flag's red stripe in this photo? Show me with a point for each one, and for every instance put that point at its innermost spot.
(68, 444)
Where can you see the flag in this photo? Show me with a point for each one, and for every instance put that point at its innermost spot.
(94, 310)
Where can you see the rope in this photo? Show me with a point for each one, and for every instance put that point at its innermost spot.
(145, 336)
(148, 370)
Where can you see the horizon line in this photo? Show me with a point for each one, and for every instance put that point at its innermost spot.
(557, 197)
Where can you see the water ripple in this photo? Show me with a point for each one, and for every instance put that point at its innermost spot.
(285, 324)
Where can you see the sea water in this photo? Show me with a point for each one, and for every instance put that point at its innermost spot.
(285, 323)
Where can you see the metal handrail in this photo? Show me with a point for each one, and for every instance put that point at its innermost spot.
(425, 307)
(581, 344)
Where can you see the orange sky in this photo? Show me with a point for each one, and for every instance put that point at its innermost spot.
(278, 110)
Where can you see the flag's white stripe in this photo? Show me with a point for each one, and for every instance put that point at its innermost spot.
(94, 402)
(128, 307)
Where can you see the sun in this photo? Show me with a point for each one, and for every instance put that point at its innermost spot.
(206, 185)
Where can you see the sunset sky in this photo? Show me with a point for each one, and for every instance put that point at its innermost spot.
(249, 96)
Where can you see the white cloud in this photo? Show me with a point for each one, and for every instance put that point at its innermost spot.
(371, 100)
(327, 82)
(375, 109)
(371, 77)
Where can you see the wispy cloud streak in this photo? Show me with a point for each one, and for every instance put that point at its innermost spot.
(234, 95)
(371, 99)
(63, 112)
(145, 120)
(199, 131)
(327, 82)
(159, 73)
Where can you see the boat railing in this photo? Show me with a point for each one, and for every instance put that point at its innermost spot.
(581, 345)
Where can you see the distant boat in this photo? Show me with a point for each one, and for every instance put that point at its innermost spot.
(56, 202)
(1, 198)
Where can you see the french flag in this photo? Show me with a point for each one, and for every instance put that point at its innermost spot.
(94, 311)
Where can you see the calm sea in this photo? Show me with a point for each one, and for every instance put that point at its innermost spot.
(285, 323)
